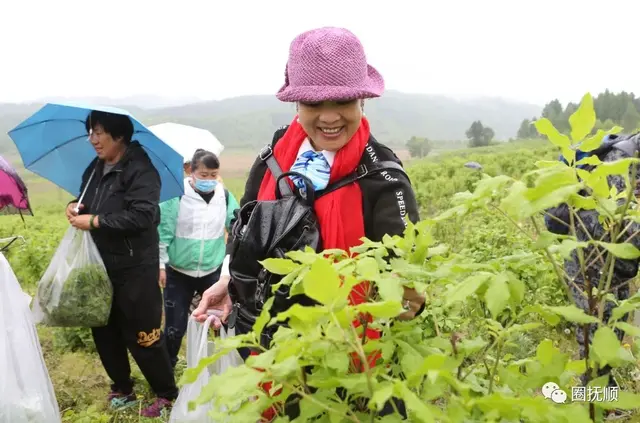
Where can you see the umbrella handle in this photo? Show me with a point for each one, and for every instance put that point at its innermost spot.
(77, 209)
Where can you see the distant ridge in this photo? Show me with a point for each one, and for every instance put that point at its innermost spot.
(249, 121)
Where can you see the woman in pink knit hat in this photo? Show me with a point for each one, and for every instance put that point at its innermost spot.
(328, 77)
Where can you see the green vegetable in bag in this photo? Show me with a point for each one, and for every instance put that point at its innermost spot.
(85, 299)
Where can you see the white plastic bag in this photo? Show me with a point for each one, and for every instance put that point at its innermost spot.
(75, 290)
(199, 347)
(26, 392)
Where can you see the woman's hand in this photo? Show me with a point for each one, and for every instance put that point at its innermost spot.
(162, 280)
(216, 297)
(82, 222)
(412, 301)
(71, 210)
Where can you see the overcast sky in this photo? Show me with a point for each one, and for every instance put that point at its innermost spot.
(527, 50)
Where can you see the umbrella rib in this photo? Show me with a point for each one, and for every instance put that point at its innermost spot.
(54, 149)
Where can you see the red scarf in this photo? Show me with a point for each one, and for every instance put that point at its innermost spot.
(340, 227)
(339, 212)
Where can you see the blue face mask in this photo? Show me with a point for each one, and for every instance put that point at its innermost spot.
(205, 185)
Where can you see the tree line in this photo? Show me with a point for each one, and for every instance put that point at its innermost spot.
(478, 135)
(612, 109)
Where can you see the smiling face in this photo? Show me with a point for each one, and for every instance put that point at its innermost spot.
(107, 148)
(330, 124)
(109, 134)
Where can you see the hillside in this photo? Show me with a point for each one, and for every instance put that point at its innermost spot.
(249, 121)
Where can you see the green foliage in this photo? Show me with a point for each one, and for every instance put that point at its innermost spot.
(419, 147)
(479, 135)
(631, 118)
(527, 130)
(83, 300)
(612, 110)
(73, 339)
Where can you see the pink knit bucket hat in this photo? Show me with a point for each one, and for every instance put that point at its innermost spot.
(328, 64)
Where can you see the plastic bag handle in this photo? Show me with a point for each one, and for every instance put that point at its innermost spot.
(203, 338)
(77, 209)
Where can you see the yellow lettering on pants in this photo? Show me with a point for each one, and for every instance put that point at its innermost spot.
(148, 339)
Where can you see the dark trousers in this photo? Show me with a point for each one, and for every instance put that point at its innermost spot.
(178, 295)
(134, 325)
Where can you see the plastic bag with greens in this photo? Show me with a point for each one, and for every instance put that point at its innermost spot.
(26, 392)
(198, 348)
(75, 290)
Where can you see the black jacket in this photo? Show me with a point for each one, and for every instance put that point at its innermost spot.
(126, 200)
(387, 198)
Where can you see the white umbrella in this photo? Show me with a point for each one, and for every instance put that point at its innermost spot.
(187, 139)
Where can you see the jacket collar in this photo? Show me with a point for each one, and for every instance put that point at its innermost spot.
(132, 151)
(306, 146)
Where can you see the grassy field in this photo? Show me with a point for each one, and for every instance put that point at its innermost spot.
(81, 384)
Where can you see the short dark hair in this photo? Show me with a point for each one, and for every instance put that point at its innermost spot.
(207, 158)
(114, 124)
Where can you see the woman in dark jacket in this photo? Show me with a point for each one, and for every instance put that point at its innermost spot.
(121, 210)
(328, 78)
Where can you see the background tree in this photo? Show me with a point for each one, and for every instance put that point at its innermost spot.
(554, 112)
(419, 147)
(621, 109)
(605, 126)
(631, 118)
(479, 135)
(527, 130)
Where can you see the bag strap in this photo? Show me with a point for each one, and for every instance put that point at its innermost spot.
(362, 171)
(204, 338)
(266, 155)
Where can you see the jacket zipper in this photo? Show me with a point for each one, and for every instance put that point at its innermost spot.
(126, 241)
(98, 197)
(99, 192)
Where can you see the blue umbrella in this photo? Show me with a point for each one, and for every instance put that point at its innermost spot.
(54, 143)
